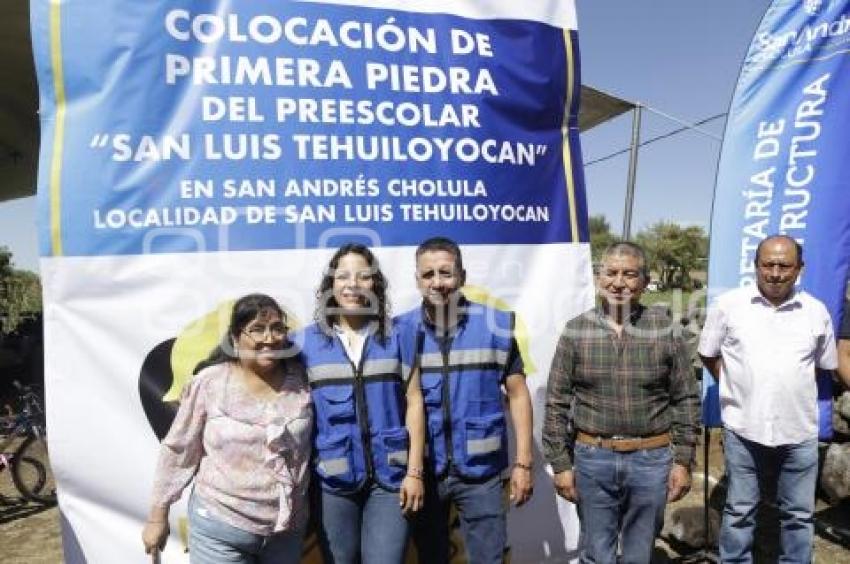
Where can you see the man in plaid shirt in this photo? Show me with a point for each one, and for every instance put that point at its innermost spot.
(622, 413)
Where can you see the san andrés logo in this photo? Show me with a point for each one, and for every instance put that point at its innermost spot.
(818, 36)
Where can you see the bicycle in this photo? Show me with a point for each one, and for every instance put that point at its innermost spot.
(29, 463)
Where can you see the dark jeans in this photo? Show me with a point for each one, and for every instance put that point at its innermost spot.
(621, 496)
(481, 509)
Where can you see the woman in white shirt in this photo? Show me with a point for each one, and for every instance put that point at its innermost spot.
(369, 415)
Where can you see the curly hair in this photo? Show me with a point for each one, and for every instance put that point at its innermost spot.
(378, 303)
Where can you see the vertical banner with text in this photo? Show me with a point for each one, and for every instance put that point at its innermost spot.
(782, 163)
(193, 152)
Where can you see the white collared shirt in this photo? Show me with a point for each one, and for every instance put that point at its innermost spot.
(768, 391)
(353, 341)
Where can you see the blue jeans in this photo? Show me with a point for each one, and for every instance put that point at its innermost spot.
(796, 468)
(621, 496)
(213, 542)
(481, 509)
(367, 526)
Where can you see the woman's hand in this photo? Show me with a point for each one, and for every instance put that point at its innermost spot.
(154, 535)
(522, 485)
(156, 529)
(412, 494)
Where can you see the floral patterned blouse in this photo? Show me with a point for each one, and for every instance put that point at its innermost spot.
(249, 456)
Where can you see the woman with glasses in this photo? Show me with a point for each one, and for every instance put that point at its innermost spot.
(369, 416)
(243, 433)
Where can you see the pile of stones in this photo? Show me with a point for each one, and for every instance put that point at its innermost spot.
(835, 472)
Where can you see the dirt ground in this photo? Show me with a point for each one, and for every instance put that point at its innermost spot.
(29, 533)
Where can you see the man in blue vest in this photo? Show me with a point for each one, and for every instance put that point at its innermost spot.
(467, 355)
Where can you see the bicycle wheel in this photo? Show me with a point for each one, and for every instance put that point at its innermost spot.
(29, 475)
(43, 489)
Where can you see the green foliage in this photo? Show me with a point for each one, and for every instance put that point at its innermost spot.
(600, 236)
(674, 251)
(5, 262)
(20, 293)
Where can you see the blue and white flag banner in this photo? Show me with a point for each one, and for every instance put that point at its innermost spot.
(193, 152)
(784, 157)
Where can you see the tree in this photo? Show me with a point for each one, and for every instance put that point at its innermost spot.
(20, 293)
(600, 236)
(674, 251)
(5, 262)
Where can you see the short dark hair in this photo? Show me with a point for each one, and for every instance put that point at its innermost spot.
(797, 246)
(629, 249)
(441, 244)
(245, 310)
(325, 300)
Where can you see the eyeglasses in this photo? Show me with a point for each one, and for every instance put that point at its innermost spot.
(258, 333)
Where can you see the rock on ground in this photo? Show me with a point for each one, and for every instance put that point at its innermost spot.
(835, 475)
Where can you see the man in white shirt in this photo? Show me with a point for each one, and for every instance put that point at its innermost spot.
(763, 344)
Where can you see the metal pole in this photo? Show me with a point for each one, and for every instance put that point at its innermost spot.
(706, 447)
(630, 187)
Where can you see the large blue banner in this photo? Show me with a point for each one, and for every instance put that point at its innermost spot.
(782, 166)
(262, 125)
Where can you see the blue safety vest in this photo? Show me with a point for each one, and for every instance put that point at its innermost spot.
(360, 431)
(461, 378)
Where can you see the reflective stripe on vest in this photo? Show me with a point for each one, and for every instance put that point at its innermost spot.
(334, 466)
(371, 369)
(397, 457)
(477, 447)
(474, 358)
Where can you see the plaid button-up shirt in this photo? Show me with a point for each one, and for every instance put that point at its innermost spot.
(638, 384)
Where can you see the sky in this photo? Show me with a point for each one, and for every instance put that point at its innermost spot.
(677, 57)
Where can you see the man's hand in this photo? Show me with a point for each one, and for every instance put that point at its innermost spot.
(411, 495)
(679, 483)
(565, 485)
(522, 485)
